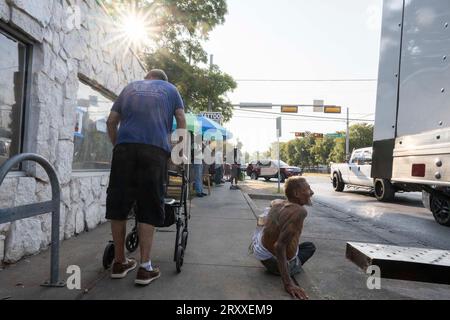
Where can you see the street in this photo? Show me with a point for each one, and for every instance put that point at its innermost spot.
(356, 216)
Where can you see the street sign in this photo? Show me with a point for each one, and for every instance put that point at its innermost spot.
(289, 109)
(318, 105)
(332, 109)
(335, 135)
(279, 134)
(252, 105)
(215, 116)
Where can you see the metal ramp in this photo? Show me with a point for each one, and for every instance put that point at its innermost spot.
(402, 263)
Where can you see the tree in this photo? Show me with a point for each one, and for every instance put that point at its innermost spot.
(321, 150)
(179, 28)
(337, 154)
(361, 136)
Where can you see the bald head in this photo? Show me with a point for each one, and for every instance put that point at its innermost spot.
(157, 74)
(294, 183)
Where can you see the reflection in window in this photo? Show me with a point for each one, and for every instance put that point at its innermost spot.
(13, 56)
(93, 150)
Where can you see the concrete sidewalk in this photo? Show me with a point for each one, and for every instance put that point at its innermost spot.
(216, 264)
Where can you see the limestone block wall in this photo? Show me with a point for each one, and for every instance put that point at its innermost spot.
(65, 48)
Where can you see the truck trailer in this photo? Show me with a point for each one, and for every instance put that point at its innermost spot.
(411, 149)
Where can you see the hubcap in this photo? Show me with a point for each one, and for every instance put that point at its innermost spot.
(440, 209)
(379, 189)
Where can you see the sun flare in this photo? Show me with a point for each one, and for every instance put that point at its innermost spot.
(133, 27)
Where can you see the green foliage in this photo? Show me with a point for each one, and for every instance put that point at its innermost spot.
(196, 85)
(310, 151)
(361, 136)
(178, 29)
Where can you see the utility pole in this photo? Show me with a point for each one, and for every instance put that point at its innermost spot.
(279, 119)
(211, 61)
(347, 140)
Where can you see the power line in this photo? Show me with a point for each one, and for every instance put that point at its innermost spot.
(266, 118)
(306, 80)
(305, 116)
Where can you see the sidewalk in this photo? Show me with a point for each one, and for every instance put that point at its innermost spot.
(216, 264)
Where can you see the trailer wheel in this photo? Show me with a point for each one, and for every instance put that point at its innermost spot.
(338, 185)
(384, 190)
(441, 210)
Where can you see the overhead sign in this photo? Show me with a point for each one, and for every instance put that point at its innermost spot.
(332, 109)
(252, 105)
(318, 105)
(289, 109)
(308, 134)
(335, 135)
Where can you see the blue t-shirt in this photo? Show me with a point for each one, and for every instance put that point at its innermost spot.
(147, 109)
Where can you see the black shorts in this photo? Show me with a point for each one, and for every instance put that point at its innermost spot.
(138, 174)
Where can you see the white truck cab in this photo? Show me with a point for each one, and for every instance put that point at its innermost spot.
(356, 172)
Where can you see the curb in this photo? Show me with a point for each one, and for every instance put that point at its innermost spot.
(267, 196)
(256, 211)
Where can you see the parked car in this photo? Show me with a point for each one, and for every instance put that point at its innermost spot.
(268, 169)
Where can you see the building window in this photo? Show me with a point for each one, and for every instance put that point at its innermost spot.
(93, 150)
(13, 71)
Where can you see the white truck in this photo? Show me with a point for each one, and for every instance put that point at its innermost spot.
(411, 149)
(354, 173)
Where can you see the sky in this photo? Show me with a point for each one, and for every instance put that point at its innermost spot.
(298, 39)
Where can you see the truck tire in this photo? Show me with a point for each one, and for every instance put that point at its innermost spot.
(338, 185)
(440, 208)
(254, 176)
(384, 190)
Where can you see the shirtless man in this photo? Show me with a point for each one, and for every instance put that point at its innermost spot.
(277, 244)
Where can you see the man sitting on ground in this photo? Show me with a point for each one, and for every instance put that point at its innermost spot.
(276, 244)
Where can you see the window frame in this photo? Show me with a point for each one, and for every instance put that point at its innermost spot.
(16, 35)
(107, 94)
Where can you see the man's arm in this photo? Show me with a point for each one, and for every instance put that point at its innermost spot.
(112, 123)
(289, 230)
(180, 117)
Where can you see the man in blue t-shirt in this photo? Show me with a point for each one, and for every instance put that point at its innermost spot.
(145, 111)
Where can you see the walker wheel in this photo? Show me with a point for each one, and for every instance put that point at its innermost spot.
(132, 241)
(108, 255)
(184, 238)
(180, 258)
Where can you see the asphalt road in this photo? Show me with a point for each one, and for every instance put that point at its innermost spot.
(356, 216)
(403, 221)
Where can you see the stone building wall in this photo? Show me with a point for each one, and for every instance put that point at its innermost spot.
(66, 46)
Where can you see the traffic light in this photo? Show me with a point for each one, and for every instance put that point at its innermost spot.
(332, 109)
(289, 109)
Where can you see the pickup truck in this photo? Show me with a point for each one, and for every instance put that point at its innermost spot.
(354, 173)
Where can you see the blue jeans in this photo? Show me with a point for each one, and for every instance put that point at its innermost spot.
(219, 175)
(305, 252)
(198, 172)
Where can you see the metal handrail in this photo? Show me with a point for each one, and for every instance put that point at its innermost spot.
(31, 210)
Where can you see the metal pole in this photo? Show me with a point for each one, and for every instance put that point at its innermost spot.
(279, 171)
(347, 140)
(211, 59)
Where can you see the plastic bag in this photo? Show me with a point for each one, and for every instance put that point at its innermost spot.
(262, 218)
